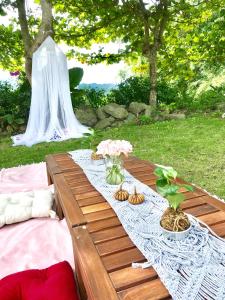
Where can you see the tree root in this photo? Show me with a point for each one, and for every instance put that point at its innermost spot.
(174, 220)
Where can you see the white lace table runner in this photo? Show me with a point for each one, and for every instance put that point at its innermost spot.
(193, 268)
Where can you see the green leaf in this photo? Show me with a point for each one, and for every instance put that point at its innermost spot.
(187, 187)
(159, 172)
(169, 173)
(167, 189)
(165, 172)
(75, 76)
(19, 121)
(161, 182)
(9, 118)
(175, 200)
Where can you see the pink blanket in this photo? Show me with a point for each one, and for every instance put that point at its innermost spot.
(24, 178)
(37, 243)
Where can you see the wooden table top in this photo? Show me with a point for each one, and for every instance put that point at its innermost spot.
(103, 250)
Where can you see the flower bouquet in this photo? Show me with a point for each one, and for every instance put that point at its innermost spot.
(113, 150)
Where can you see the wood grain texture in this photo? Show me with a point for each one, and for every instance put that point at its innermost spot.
(102, 248)
(96, 280)
(70, 208)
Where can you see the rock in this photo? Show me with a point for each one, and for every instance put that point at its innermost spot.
(136, 107)
(100, 113)
(118, 123)
(104, 123)
(176, 116)
(86, 116)
(131, 118)
(148, 111)
(115, 110)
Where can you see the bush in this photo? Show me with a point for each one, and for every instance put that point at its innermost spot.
(14, 105)
(208, 100)
(137, 89)
(144, 120)
(89, 97)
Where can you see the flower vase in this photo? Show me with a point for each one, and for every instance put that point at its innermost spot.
(114, 170)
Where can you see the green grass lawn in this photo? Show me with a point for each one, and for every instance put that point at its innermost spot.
(195, 147)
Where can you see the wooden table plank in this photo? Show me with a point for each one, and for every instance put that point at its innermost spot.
(108, 234)
(129, 277)
(151, 290)
(113, 246)
(122, 259)
(103, 238)
(103, 224)
(71, 209)
(95, 207)
(90, 265)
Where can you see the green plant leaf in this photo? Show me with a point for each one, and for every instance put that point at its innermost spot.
(161, 182)
(159, 172)
(187, 187)
(9, 118)
(19, 121)
(175, 200)
(165, 172)
(169, 173)
(75, 76)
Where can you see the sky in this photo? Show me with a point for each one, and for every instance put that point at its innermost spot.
(99, 73)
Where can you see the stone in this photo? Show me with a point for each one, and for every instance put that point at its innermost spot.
(136, 107)
(117, 123)
(100, 113)
(86, 116)
(176, 116)
(116, 111)
(104, 123)
(131, 118)
(148, 111)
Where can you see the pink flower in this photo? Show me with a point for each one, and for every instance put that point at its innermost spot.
(114, 148)
(16, 73)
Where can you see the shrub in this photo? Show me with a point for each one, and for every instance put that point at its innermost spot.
(144, 120)
(89, 97)
(14, 105)
(208, 100)
(137, 89)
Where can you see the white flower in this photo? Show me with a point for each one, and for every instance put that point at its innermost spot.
(114, 148)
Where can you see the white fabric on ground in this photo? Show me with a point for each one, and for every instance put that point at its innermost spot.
(51, 113)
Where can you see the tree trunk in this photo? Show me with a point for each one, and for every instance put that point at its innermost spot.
(153, 77)
(27, 40)
(45, 30)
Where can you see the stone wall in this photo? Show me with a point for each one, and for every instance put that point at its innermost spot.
(111, 115)
(115, 115)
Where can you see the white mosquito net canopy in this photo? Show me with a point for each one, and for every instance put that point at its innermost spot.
(51, 115)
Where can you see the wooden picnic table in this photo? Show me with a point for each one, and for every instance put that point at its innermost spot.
(103, 251)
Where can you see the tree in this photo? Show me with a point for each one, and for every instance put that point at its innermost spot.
(31, 40)
(139, 25)
(177, 37)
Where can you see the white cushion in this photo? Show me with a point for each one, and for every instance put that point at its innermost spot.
(18, 207)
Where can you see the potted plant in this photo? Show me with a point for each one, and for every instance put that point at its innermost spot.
(112, 151)
(174, 222)
(92, 139)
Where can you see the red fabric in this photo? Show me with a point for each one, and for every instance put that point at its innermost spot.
(56, 282)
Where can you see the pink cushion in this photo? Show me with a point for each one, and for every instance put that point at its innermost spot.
(56, 282)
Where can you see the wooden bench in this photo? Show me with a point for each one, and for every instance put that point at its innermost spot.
(102, 249)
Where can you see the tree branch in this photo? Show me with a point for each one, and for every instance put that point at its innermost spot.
(46, 27)
(27, 40)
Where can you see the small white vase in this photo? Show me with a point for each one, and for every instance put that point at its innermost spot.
(175, 235)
